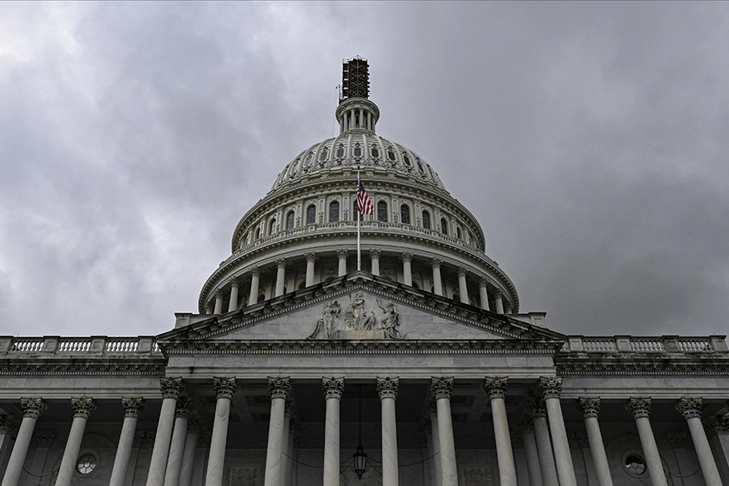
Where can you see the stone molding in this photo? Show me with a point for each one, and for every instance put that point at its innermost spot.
(388, 387)
(32, 407)
(333, 387)
(589, 407)
(83, 407)
(550, 387)
(441, 387)
(171, 387)
(495, 386)
(639, 407)
(279, 387)
(7, 423)
(689, 407)
(224, 387)
(133, 407)
(119, 366)
(44, 438)
(182, 409)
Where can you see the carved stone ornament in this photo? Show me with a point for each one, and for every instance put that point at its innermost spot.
(387, 387)
(689, 407)
(182, 410)
(224, 387)
(639, 407)
(436, 263)
(720, 424)
(342, 254)
(333, 387)
(375, 253)
(590, 407)
(7, 422)
(83, 406)
(132, 406)
(171, 387)
(550, 387)
(328, 322)
(360, 322)
(279, 387)
(462, 271)
(44, 439)
(677, 438)
(441, 387)
(406, 256)
(310, 257)
(495, 386)
(32, 407)
(256, 272)
(537, 407)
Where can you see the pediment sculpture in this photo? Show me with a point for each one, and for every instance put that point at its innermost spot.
(359, 320)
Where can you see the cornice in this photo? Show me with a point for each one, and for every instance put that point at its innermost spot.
(643, 364)
(134, 366)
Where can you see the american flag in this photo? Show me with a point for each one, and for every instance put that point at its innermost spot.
(364, 203)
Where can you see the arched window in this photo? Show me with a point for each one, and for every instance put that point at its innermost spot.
(405, 214)
(426, 220)
(258, 233)
(311, 214)
(382, 211)
(340, 151)
(375, 152)
(357, 151)
(443, 226)
(458, 232)
(290, 220)
(272, 226)
(334, 211)
(390, 153)
(308, 160)
(323, 155)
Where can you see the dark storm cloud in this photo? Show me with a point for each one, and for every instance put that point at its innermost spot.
(588, 139)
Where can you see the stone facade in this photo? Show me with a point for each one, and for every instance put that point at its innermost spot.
(302, 351)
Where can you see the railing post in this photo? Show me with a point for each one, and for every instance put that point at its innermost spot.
(622, 344)
(50, 344)
(576, 344)
(717, 343)
(98, 343)
(6, 344)
(670, 344)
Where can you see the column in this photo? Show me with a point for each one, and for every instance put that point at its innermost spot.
(342, 256)
(333, 390)
(387, 389)
(690, 408)
(280, 276)
(188, 456)
(224, 391)
(442, 389)
(142, 440)
(171, 389)
(7, 423)
(498, 302)
(310, 259)
(544, 442)
(532, 453)
(496, 389)
(218, 302)
(437, 282)
(590, 408)
(407, 271)
(286, 443)
(43, 441)
(233, 302)
(375, 261)
(177, 445)
(462, 286)
(82, 409)
(279, 389)
(641, 410)
(255, 278)
(483, 294)
(435, 437)
(132, 408)
(551, 389)
(720, 427)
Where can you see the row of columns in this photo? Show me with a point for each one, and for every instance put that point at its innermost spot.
(375, 254)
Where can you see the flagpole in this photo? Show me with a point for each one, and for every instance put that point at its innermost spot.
(359, 215)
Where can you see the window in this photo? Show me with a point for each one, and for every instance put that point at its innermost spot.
(290, 220)
(375, 152)
(406, 159)
(340, 151)
(272, 226)
(458, 232)
(86, 464)
(420, 167)
(426, 220)
(635, 465)
(334, 212)
(443, 226)
(357, 151)
(311, 214)
(355, 210)
(323, 155)
(405, 214)
(308, 160)
(382, 211)
(258, 233)
(390, 154)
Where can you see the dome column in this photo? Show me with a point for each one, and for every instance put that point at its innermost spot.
(437, 282)
(310, 259)
(375, 261)
(233, 302)
(407, 272)
(218, 302)
(280, 276)
(342, 256)
(483, 294)
(255, 279)
(498, 302)
(462, 286)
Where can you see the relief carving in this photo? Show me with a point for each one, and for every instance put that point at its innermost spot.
(359, 321)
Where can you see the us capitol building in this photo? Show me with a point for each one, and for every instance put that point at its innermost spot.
(419, 369)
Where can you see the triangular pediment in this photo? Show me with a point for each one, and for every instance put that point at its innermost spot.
(359, 306)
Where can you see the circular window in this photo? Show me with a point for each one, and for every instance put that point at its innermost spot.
(86, 464)
(635, 465)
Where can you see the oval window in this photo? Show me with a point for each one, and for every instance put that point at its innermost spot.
(375, 153)
(406, 159)
(308, 160)
(391, 154)
(357, 151)
(324, 154)
(340, 152)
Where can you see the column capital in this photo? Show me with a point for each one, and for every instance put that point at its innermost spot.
(32, 407)
(256, 272)
(44, 438)
(171, 387)
(689, 407)
(550, 387)
(462, 271)
(639, 407)
(132, 406)
(279, 387)
(436, 263)
(235, 282)
(281, 263)
(483, 282)
(375, 253)
(182, 409)
(219, 293)
(720, 424)
(495, 386)
(537, 407)
(333, 387)
(193, 422)
(342, 253)
(83, 407)
(7, 423)
(310, 257)
(590, 407)
(406, 256)
(387, 387)
(441, 387)
(224, 387)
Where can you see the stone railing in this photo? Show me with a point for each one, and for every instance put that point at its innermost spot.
(639, 344)
(94, 345)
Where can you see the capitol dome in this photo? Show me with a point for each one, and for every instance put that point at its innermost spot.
(304, 232)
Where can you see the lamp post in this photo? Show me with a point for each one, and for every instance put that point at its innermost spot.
(360, 457)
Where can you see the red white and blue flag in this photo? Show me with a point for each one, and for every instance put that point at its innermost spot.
(364, 203)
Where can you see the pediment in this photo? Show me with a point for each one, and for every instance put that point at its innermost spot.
(359, 307)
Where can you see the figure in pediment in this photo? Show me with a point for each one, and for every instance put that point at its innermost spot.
(390, 320)
(328, 322)
(357, 317)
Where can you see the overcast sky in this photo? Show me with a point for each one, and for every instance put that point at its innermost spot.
(589, 139)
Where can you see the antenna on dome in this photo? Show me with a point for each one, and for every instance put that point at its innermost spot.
(355, 79)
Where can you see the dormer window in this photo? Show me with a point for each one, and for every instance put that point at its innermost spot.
(375, 152)
(357, 151)
(406, 159)
(324, 154)
(390, 154)
(340, 151)
(309, 160)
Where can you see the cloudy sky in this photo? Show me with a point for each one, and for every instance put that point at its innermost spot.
(589, 139)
